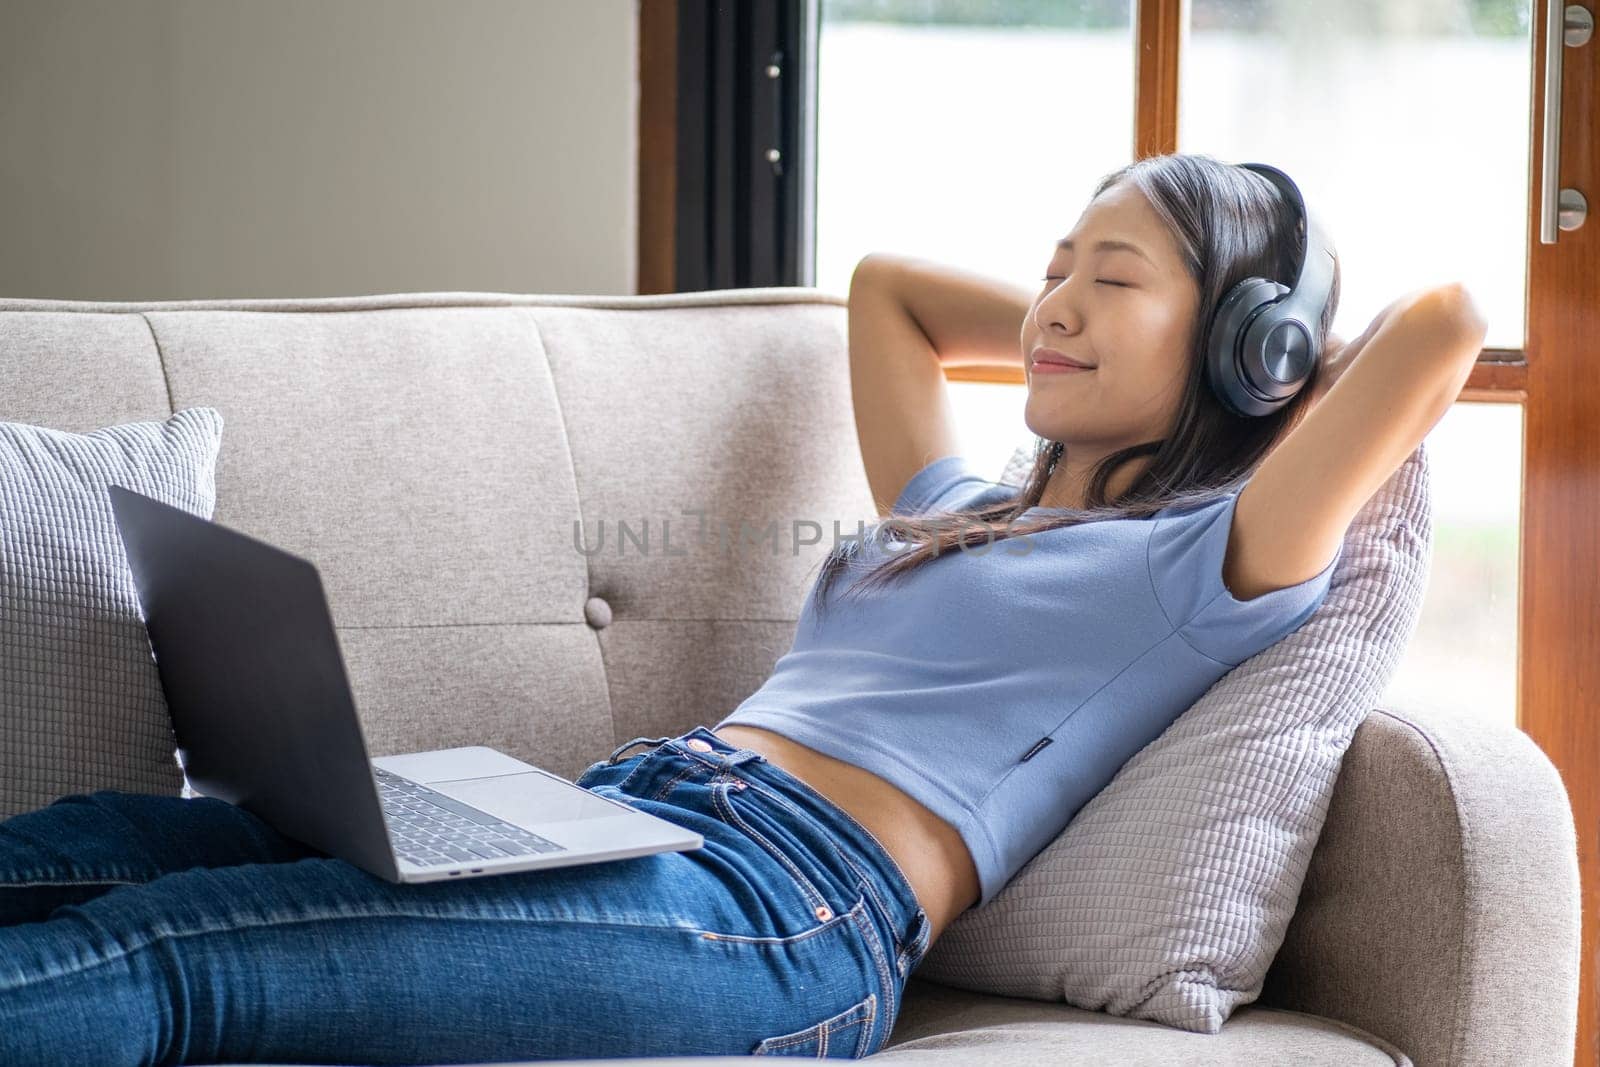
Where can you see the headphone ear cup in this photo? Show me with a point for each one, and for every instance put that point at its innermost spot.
(1276, 357)
(1224, 350)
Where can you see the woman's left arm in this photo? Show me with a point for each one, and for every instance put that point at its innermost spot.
(1383, 392)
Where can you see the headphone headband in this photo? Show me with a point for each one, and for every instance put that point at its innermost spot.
(1314, 283)
(1265, 336)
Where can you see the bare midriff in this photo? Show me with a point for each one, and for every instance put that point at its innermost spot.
(930, 853)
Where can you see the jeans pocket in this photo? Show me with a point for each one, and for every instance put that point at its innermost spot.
(722, 802)
(846, 1035)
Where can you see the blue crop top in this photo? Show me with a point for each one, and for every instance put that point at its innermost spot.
(1004, 688)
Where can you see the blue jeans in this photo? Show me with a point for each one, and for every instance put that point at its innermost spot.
(143, 929)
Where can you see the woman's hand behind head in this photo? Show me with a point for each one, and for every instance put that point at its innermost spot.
(1336, 356)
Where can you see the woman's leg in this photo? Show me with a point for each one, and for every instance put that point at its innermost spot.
(78, 847)
(706, 951)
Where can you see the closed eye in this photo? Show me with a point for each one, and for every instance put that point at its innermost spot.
(1098, 281)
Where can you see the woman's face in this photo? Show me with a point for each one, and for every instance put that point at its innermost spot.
(1127, 311)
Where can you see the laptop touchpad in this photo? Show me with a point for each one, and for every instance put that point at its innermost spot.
(529, 798)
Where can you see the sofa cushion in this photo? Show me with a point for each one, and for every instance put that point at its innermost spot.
(84, 708)
(942, 1027)
(938, 1025)
(1167, 896)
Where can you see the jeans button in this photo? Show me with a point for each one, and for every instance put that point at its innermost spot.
(699, 745)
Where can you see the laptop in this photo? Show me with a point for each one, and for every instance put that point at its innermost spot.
(264, 718)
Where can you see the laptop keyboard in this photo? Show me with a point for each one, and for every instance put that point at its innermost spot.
(430, 828)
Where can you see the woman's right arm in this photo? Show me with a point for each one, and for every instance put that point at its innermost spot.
(909, 319)
(972, 320)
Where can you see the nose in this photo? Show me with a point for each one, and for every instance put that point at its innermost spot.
(1058, 309)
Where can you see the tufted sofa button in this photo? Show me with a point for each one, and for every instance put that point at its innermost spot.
(598, 612)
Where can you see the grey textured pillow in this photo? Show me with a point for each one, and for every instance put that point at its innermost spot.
(1169, 893)
(81, 697)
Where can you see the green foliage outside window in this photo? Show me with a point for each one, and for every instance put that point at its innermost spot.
(1479, 18)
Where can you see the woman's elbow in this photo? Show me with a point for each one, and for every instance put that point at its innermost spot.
(1454, 311)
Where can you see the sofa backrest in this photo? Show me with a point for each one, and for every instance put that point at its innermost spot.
(440, 457)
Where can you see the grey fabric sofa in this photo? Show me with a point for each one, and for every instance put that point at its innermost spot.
(433, 453)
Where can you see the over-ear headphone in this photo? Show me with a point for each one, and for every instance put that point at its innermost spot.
(1265, 336)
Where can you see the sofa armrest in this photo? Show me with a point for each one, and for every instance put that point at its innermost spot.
(1441, 908)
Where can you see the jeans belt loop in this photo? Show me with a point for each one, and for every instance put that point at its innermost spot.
(743, 755)
(917, 943)
(636, 741)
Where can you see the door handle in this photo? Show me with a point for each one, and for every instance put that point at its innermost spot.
(1566, 26)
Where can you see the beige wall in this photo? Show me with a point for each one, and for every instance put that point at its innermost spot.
(183, 149)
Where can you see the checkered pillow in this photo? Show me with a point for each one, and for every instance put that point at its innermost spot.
(1168, 894)
(82, 699)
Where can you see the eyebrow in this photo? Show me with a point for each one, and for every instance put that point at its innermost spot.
(1124, 246)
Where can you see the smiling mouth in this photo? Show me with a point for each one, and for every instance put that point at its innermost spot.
(1050, 359)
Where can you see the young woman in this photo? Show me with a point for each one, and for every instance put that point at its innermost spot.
(997, 655)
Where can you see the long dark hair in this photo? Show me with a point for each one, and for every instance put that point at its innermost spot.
(1229, 224)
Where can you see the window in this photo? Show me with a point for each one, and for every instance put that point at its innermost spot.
(956, 130)
(1406, 124)
(974, 133)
